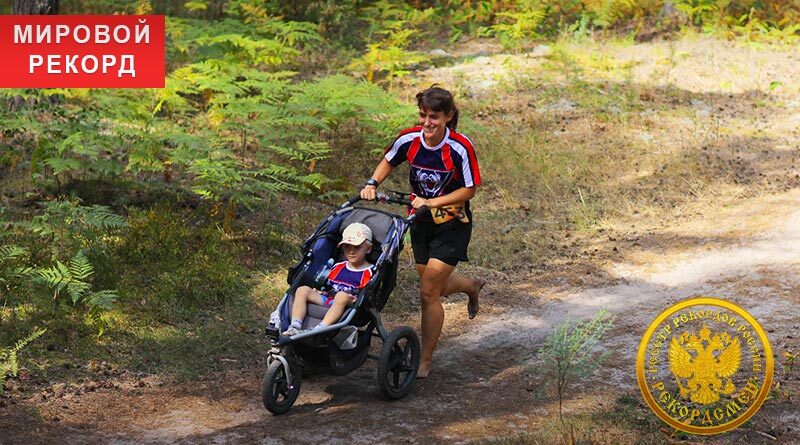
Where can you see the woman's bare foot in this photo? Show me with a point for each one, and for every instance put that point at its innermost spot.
(474, 304)
(424, 369)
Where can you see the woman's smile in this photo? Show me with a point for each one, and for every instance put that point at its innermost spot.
(434, 124)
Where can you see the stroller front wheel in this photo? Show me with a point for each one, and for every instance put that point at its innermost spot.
(276, 392)
(398, 363)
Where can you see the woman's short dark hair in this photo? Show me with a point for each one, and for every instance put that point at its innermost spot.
(438, 99)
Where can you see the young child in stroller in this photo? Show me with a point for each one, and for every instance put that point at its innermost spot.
(343, 345)
(344, 281)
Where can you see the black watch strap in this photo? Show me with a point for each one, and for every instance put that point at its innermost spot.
(372, 182)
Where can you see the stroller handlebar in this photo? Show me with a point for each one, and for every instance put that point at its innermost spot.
(351, 201)
(398, 198)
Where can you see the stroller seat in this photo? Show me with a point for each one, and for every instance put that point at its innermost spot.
(344, 346)
(325, 247)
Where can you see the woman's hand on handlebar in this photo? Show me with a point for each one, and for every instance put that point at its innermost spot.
(420, 202)
(369, 192)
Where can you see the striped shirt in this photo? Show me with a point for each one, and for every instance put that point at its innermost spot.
(435, 171)
(344, 279)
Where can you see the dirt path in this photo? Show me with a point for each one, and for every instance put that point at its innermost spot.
(480, 387)
(484, 382)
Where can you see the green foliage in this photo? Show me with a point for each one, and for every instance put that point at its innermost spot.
(65, 227)
(14, 271)
(9, 363)
(335, 106)
(62, 144)
(569, 352)
(392, 27)
(607, 13)
(750, 20)
(33, 274)
(701, 11)
(73, 278)
(515, 28)
(176, 264)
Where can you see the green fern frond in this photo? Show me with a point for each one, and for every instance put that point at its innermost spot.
(8, 357)
(55, 277)
(102, 217)
(80, 268)
(103, 299)
(60, 165)
(11, 252)
(25, 341)
(23, 272)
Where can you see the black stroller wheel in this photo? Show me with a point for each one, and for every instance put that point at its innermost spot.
(278, 396)
(398, 363)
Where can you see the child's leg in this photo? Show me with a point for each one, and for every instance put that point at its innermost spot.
(302, 296)
(340, 303)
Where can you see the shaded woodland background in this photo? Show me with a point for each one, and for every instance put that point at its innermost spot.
(151, 228)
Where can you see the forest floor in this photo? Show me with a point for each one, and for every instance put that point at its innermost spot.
(736, 244)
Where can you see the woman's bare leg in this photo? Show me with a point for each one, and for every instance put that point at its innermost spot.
(433, 282)
(459, 283)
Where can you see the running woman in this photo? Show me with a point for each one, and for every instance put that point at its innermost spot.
(443, 176)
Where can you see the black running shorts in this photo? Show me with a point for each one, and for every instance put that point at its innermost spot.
(446, 242)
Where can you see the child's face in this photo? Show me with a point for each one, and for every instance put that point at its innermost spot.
(356, 254)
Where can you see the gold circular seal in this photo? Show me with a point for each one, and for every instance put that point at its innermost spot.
(704, 366)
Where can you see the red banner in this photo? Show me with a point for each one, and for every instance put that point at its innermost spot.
(82, 51)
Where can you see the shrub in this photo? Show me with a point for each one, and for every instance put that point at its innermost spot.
(9, 363)
(569, 353)
(174, 264)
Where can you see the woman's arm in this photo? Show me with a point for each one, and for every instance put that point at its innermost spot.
(381, 172)
(458, 195)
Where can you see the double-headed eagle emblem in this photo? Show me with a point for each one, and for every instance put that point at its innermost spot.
(703, 366)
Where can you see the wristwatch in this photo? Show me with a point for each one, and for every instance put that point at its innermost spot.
(373, 182)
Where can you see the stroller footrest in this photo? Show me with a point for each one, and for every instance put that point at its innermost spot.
(316, 311)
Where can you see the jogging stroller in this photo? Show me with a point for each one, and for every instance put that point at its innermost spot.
(344, 346)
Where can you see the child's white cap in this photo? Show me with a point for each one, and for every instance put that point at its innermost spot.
(355, 234)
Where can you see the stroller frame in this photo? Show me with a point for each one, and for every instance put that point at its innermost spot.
(343, 346)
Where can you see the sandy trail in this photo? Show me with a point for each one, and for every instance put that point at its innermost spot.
(478, 388)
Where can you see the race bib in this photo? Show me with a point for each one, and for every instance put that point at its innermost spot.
(445, 213)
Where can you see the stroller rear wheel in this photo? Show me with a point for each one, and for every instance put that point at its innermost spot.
(398, 363)
(276, 392)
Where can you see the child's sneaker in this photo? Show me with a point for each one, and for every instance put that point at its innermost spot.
(292, 331)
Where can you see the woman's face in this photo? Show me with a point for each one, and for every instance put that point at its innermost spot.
(433, 125)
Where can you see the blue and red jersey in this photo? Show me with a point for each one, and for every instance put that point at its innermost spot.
(436, 171)
(344, 279)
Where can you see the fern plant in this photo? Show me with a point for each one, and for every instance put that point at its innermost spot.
(65, 226)
(514, 28)
(392, 25)
(700, 11)
(14, 272)
(336, 106)
(9, 362)
(74, 279)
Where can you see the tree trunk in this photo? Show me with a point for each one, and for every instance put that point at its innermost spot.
(31, 7)
(35, 7)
